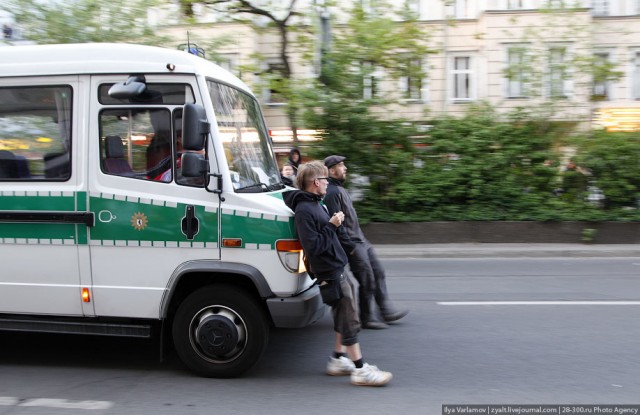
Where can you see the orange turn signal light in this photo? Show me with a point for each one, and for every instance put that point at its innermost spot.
(288, 246)
(86, 296)
(232, 243)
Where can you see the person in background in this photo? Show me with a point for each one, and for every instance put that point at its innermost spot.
(288, 175)
(575, 180)
(7, 31)
(295, 158)
(363, 261)
(318, 234)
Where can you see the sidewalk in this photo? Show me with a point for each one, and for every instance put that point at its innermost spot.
(516, 250)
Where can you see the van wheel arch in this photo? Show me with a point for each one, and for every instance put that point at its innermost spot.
(193, 275)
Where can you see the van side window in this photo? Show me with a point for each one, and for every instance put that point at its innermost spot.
(167, 94)
(136, 143)
(35, 133)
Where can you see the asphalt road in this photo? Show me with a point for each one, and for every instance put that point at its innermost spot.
(480, 331)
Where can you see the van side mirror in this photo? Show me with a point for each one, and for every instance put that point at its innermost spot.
(194, 127)
(194, 165)
(133, 87)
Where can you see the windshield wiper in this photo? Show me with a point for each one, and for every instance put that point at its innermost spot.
(261, 186)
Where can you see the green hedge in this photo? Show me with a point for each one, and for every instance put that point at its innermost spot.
(482, 168)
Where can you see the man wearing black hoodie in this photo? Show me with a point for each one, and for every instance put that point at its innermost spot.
(363, 261)
(318, 234)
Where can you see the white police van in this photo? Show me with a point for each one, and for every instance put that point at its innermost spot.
(139, 194)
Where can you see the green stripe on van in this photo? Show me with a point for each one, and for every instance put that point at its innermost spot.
(39, 233)
(128, 221)
(261, 230)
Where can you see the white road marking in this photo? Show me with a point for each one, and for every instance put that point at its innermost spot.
(55, 403)
(568, 302)
(8, 401)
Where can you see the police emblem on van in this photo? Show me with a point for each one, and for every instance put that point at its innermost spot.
(139, 221)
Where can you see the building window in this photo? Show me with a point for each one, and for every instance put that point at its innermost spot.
(601, 87)
(636, 75)
(411, 83)
(555, 4)
(515, 4)
(367, 7)
(370, 81)
(600, 7)
(462, 78)
(230, 62)
(516, 70)
(462, 9)
(414, 7)
(557, 85)
(274, 83)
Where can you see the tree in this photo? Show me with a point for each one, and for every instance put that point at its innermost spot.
(353, 102)
(80, 21)
(553, 58)
(280, 17)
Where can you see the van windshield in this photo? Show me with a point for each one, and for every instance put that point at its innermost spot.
(245, 139)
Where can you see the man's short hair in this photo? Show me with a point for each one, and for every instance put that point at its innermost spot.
(308, 172)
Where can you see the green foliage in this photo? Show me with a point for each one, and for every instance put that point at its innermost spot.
(80, 21)
(372, 42)
(614, 161)
(477, 168)
(482, 167)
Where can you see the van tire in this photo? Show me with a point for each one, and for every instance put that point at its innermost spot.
(220, 331)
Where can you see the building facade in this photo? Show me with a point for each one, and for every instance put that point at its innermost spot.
(580, 59)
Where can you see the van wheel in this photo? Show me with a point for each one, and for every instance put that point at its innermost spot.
(220, 331)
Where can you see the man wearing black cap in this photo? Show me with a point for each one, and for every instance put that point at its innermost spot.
(363, 261)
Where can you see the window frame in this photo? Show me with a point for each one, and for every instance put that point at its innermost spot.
(521, 87)
(462, 9)
(468, 73)
(21, 162)
(129, 157)
(412, 88)
(559, 71)
(268, 93)
(607, 86)
(600, 7)
(371, 80)
(635, 75)
(518, 6)
(416, 8)
(230, 62)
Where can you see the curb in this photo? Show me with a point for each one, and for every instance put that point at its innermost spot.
(502, 232)
(507, 251)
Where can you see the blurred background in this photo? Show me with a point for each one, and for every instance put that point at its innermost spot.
(445, 109)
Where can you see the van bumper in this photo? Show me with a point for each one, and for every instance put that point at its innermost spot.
(299, 311)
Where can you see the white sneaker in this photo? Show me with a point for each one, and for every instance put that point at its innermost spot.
(340, 367)
(370, 375)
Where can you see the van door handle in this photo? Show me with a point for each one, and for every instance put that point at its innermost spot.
(190, 223)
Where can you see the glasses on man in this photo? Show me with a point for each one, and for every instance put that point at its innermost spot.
(322, 178)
